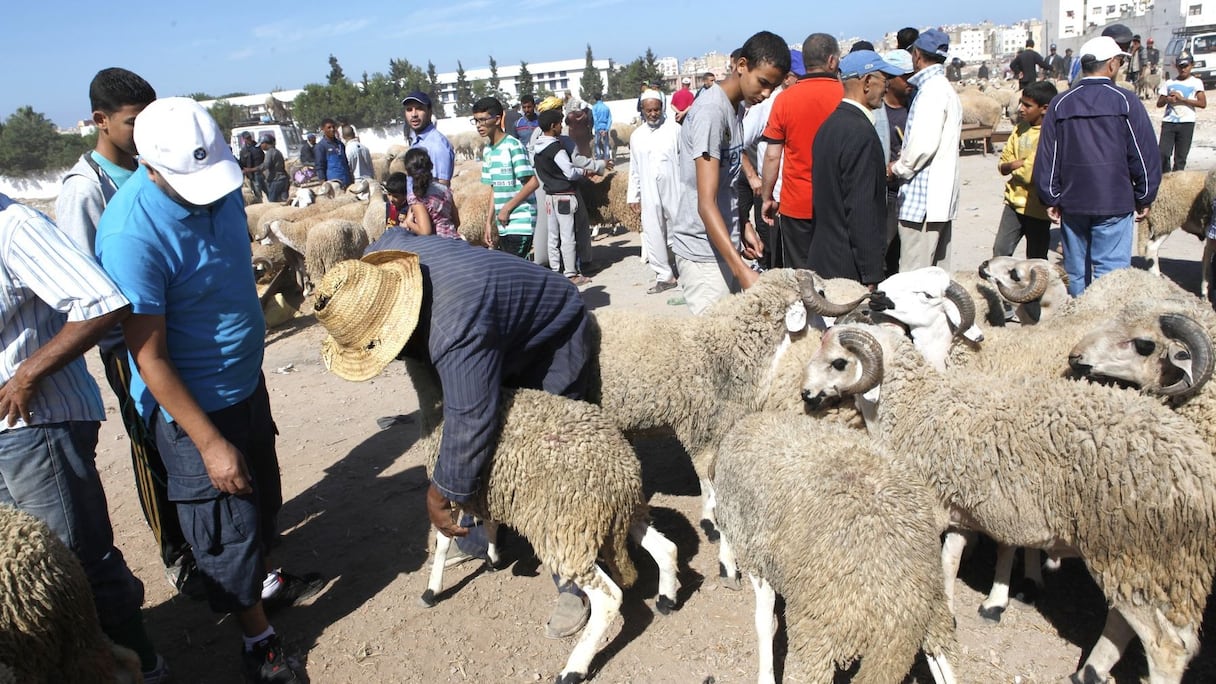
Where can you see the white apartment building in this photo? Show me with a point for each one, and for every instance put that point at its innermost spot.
(1070, 22)
(559, 76)
(969, 45)
(668, 66)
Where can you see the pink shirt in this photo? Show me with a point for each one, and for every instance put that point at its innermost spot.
(438, 204)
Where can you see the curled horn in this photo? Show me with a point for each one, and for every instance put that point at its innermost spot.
(966, 306)
(869, 351)
(817, 303)
(1198, 343)
(1032, 291)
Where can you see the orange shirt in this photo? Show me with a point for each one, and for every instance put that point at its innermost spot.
(794, 120)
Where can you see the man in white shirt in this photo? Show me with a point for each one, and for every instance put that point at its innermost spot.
(654, 184)
(1180, 96)
(357, 155)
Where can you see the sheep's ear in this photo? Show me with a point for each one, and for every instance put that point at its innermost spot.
(795, 317)
(1178, 356)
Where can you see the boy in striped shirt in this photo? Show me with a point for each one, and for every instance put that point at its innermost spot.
(505, 167)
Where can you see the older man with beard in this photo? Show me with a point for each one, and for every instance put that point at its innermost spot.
(654, 174)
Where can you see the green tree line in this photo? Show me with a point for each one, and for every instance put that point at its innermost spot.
(30, 143)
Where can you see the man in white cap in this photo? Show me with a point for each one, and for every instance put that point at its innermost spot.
(174, 239)
(682, 99)
(654, 184)
(928, 161)
(1097, 168)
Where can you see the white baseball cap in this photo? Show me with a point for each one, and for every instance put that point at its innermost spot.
(177, 137)
(686, 80)
(1101, 49)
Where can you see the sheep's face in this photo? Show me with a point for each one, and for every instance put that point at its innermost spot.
(1007, 271)
(916, 299)
(831, 372)
(1134, 354)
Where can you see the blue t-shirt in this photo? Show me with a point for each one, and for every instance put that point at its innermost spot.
(116, 173)
(190, 265)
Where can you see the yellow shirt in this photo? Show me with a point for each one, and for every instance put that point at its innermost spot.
(1019, 189)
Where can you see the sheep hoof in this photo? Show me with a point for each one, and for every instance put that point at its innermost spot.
(711, 532)
(727, 580)
(427, 599)
(992, 614)
(570, 678)
(1087, 676)
(665, 605)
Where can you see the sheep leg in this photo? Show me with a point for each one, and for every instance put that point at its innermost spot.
(1150, 253)
(663, 551)
(492, 557)
(435, 584)
(1167, 647)
(998, 598)
(1115, 636)
(940, 668)
(709, 502)
(952, 555)
(766, 627)
(728, 567)
(1205, 280)
(605, 606)
(1032, 574)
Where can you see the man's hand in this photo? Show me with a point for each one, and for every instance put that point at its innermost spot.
(748, 278)
(444, 514)
(226, 467)
(1141, 213)
(1053, 213)
(15, 396)
(680, 116)
(753, 246)
(636, 207)
(768, 211)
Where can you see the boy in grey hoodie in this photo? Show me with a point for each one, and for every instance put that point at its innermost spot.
(117, 96)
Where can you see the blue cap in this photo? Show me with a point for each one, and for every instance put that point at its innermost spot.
(900, 59)
(419, 97)
(796, 64)
(862, 62)
(933, 42)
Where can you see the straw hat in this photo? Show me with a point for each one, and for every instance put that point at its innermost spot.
(370, 309)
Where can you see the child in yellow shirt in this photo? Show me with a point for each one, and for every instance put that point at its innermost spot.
(1024, 215)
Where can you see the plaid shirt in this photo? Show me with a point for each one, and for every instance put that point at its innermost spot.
(914, 195)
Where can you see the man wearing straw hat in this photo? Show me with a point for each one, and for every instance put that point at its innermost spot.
(479, 320)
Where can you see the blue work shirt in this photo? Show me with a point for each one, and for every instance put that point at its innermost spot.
(488, 320)
(443, 157)
(190, 265)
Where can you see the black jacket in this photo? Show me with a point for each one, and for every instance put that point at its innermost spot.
(849, 182)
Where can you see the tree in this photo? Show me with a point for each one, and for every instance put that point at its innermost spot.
(464, 92)
(592, 82)
(494, 84)
(432, 80)
(652, 73)
(523, 82)
(200, 97)
(481, 89)
(407, 77)
(228, 116)
(335, 71)
(340, 100)
(626, 81)
(29, 142)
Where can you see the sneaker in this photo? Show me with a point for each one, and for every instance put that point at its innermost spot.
(185, 578)
(569, 615)
(266, 662)
(293, 589)
(158, 674)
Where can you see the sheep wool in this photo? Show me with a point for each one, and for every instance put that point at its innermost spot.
(1042, 464)
(793, 496)
(49, 631)
(330, 241)
(1183, 201)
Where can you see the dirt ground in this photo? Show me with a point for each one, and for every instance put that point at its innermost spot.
(354, 512)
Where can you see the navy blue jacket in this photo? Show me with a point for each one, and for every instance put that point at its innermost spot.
(489, 320)
(1097, 152)
(331, 161)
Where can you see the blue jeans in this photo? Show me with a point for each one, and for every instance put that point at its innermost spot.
(49, 471)
(1095, 246)
(603, 145)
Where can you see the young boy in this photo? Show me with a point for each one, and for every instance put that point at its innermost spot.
(505, 168)
(1180, 97)
(396, 191)
(557, 175)
(705, 232)
(117, 96)
(1024, 215)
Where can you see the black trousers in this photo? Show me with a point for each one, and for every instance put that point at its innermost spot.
(1176, 142)
(796, 242)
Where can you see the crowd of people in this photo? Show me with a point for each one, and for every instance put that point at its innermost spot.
(845, 164)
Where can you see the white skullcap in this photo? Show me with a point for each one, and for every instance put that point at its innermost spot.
(652, 95)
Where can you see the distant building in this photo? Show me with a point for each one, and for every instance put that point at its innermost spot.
(260, 107)
(1070, 22)
(560, 76)
(668, 66)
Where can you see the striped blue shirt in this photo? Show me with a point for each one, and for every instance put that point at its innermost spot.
(46, 281)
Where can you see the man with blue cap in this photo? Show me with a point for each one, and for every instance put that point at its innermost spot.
(850, 181)
(929, 159)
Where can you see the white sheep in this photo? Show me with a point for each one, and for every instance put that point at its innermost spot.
(323, 240)
(1043, 464)
(846, 534)
(1036, 288)
(564, 477)
(49, 631)
(1185, 200)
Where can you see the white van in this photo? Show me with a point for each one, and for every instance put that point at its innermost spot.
(1200, 43)
(287, 138)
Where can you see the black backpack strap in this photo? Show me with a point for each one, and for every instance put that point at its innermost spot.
(108, 188)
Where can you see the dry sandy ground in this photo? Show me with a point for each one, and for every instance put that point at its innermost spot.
(354, 511)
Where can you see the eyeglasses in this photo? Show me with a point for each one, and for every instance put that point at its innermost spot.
(483, 120)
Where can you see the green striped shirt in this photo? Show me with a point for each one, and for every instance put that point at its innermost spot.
(505, 167)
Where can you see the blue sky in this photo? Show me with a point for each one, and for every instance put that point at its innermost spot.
(53, 49)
